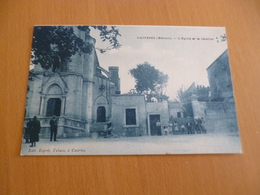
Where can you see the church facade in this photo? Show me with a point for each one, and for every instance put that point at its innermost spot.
(80, 96)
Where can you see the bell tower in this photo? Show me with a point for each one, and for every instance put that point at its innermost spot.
(114, 77)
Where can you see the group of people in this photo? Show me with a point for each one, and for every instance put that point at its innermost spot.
(32, 131)
(170, 127)
(191, 127)
(196, 126)
(33, 128)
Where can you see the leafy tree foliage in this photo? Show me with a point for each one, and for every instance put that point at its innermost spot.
(149, 81)
(54, 45)
(110, 35)
(183, 97)
(132, 91)
(200, 91)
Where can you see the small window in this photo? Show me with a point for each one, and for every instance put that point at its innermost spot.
(178, 114)
(130, 115)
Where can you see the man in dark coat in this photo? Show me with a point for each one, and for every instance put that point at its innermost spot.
(53, 127)
(34, 131)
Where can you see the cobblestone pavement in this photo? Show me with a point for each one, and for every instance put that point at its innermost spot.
(171, 144)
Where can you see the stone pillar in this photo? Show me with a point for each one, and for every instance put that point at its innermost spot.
(63, 105)
(88, 81)
(60, 132)
(78, 98)
(197, 107)
(89, 104)
(194, 104)
(42, 103)
(70, 97)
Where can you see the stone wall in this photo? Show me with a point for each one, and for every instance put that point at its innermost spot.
(219, 117)
(174, 108)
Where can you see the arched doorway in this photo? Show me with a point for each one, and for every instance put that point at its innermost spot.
(53, 107)
(101, 109)
(101, 114)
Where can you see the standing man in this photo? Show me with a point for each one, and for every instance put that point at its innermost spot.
(170, 128)
(158, 128)
(189, 127)
(54, 127)
(165, 128)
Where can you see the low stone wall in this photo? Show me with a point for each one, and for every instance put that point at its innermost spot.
(128, 131)
(67, 127)
(72, 132)
(133, 131)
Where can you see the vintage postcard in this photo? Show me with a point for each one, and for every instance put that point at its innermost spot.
(129, 90)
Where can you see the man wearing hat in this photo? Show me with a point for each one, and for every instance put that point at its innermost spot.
(54, 127)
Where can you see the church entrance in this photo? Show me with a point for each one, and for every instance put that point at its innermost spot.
(53, 107)
(101, 114)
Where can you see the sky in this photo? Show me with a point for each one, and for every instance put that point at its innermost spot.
(183, 53)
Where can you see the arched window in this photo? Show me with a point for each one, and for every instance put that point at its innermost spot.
(101, 114)
(53, 107)
(54, 90)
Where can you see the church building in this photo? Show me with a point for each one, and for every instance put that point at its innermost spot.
(80, 97)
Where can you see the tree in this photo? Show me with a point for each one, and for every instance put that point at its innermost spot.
(200, 91)
(132, 91)
(183, 97)
(54, 45)
(150, 81)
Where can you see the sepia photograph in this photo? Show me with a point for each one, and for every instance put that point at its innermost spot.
(129, 90)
